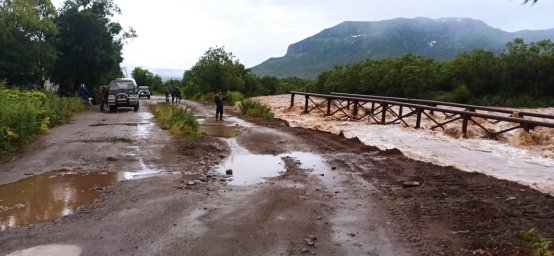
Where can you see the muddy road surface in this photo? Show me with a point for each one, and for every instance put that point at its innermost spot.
(116, 184)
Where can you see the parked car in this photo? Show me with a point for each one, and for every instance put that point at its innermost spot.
(143, 91)
(123, 92)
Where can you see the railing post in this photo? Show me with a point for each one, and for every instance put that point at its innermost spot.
(292, 100)
(328, 106)
(418, 120)
(355, 112)
(348, 104)
(400, 112)
(384, 113)
(306, 104)
(431, 111)
(372, 108)
(465, 119)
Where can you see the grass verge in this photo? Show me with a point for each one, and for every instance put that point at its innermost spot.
(178, 120)
(254, 108)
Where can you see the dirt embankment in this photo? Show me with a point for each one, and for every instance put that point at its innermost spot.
(351, 201)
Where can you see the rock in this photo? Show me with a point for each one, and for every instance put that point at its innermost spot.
(511, 198)
(229, 172)
(322, 174)
(333, 168)
(178, 186)
(221, 156)
(29, 174)
(312, 237)
(191, 183)
(304, 250)
(203, 178)
(351, 234)
(411, 184)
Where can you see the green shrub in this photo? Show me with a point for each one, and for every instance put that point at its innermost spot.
(539, 244)
(234, 96)
(255, 108)
(177, 119)
(24, 114)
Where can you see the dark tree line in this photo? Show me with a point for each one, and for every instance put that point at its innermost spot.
(77, 44)
(521, 75)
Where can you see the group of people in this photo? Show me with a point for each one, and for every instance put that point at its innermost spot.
(175, 95)
(174, 92)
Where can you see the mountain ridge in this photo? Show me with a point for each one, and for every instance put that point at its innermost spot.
(354, 41)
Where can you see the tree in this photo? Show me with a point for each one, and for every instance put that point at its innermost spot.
(144, 77)
(27, 28)
(90, 44)
(216, 69)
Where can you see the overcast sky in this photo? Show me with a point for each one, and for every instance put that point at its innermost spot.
(175, 33)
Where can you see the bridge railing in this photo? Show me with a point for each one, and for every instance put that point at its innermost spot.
(354, 106)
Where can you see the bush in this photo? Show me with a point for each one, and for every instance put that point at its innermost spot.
(177, 119)
(234, 96)
(255, 108)
(24, 114)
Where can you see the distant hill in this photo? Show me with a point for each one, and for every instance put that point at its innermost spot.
(164, 73)
(354, 41)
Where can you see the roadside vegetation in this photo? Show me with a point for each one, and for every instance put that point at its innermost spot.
(178, 120)
(539, 244)
(255, 108)
(25, 114)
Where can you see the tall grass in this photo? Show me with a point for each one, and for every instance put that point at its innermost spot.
(177, 119)
(25, 114)
(255, 108)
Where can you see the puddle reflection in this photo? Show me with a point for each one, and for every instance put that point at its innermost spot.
(53, 194)
(251, 168)
(222, 131)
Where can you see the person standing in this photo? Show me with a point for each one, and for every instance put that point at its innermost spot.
(218, 99)
(103, 97)
(178, 95)
(166, 92)
(83, 93)
(172, 94)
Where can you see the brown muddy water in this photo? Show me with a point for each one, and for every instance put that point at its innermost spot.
(50, 195)
(222, 131)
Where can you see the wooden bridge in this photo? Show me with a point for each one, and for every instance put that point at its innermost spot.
(392, 110)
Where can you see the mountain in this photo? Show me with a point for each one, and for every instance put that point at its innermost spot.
(355, 41)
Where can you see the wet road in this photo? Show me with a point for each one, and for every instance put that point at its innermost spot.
(282, 199)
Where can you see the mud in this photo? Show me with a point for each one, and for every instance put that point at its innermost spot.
(331, 195)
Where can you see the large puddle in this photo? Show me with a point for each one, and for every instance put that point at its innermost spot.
(249, 169)
(49, 250)
(52, 195)
(222, 131)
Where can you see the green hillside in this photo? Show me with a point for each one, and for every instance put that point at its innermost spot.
(354, 41)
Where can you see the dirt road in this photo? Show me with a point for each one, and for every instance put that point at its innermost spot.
(326, 195)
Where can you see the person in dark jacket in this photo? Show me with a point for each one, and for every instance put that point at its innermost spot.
(178, 95)
(83, 93)
(172, 92)
(218, 99)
